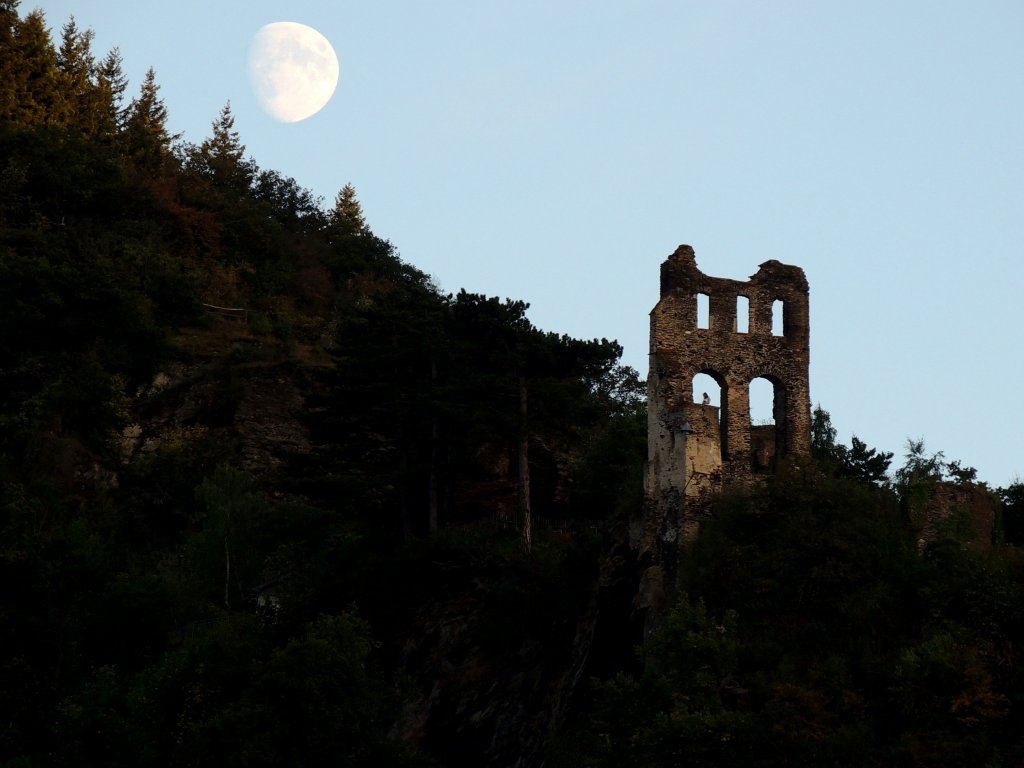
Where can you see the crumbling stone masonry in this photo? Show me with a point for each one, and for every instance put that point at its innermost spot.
(976, 506)
(694, 449)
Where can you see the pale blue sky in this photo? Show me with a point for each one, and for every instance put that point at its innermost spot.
(558, 151)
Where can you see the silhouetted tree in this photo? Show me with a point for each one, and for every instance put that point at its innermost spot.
(111, 77)
(221, 157)
(865, 464)
(147, 142)
(857, 462)
(823, 435)
(346, 217)
(29, 88)
(77, 103)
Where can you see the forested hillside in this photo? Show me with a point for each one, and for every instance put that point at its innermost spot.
(247, 535)
(268, 496)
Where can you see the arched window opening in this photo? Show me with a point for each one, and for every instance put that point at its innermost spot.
(703, 384)
(703, 310)
(762, 402)
(742, 315)
(762, 425)
(777, 318)
(712, 420)
(767, 424)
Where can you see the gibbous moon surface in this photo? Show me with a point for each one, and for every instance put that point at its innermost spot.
(293, 70)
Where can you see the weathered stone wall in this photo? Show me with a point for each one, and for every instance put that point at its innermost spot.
(762, 448)
(680, 350)
(946, 500)
(695, 450)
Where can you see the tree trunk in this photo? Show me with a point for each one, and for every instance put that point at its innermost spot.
(434, 431)
(526, 531)
(403, 486)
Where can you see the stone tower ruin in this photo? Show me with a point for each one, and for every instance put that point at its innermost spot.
(696, 449)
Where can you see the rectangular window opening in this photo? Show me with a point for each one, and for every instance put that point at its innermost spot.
(777, 318)
(742, 315)
(703, 310)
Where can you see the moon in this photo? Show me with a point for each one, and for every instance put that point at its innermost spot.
(293, 70)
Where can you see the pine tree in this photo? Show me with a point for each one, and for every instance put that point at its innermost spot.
(110, 77)
(8, 22)
(220, 158)
(8, 30)
(75, 65)
(146, 139)
(28, 76)
(346, 218)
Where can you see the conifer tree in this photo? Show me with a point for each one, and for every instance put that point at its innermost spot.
(146, 139)
(111, 77)
(28, 86)
(8, 29)
(221, 157)
(8, 21)
(347, 215)
(75, 64)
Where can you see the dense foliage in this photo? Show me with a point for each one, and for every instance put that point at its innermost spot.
(435, 562)
(813, 631)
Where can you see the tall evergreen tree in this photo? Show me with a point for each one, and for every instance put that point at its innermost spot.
(221, 157)
(352, 239)
(147, 141)
(28, 61)
(75, 64)
(346, 218)
(112, 79)
(8, 31)
(8, 22)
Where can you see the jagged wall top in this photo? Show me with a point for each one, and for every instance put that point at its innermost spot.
(680, 272)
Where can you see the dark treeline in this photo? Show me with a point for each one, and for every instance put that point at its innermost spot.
(813, 628)
(372, 523)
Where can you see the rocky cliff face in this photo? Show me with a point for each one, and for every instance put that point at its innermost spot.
(252, 399)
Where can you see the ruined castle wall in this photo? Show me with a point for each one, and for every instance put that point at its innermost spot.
(680, 350)
(762, 447)
(688, 465)
(944, 501)
(695, 450)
